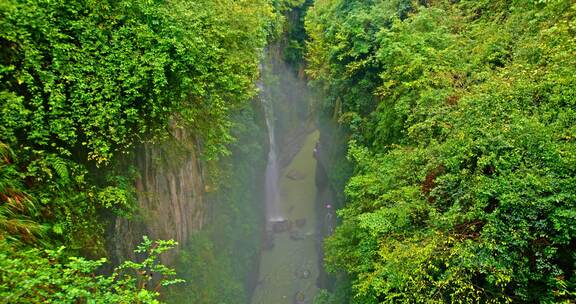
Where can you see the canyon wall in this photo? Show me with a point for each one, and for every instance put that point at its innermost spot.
(170, 191)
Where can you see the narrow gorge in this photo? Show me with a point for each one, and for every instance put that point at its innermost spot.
(289, 262)
(287, 151)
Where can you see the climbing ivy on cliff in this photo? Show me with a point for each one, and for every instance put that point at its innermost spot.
(83, 82)
(460, 117)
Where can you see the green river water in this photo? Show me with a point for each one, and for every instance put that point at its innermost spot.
(289, 270)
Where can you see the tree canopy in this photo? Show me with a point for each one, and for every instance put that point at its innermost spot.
(460, 117)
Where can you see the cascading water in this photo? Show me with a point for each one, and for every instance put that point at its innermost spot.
(273, 213)
(289, 257)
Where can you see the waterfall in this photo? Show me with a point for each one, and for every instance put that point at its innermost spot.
(273, 213)
(289, 262)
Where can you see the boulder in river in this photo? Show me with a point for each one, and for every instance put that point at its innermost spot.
(295, 175)
(281, 226)
(300, 222)
(300, 298)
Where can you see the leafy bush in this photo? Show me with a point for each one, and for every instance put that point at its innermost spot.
(31, 275)
(460, 116)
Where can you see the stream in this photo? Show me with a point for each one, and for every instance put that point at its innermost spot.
(289, 265)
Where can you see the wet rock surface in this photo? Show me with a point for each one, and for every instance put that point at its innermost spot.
(300, 298)
(281, 226)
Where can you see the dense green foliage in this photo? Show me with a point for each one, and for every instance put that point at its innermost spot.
(461, 123)
(49, 276)
(96, 75)
(294, 34)
(83, 82)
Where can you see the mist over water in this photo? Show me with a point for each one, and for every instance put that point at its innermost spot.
(289, 258)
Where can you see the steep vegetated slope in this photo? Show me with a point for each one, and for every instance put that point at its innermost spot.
(219, 262)
(460, 116)
(82, 83)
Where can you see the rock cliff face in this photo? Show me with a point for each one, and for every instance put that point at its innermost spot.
(170, 192)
